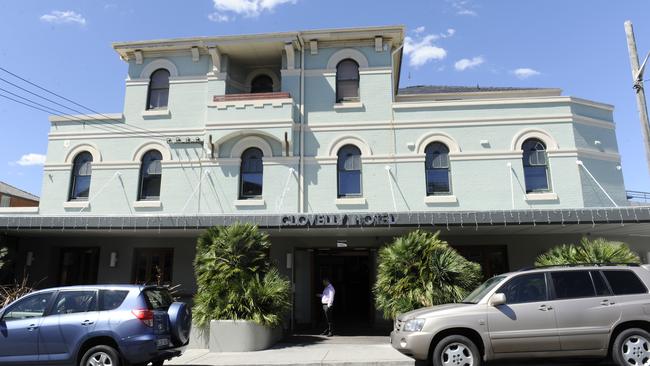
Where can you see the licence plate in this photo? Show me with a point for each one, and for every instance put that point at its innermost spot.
(162, 342)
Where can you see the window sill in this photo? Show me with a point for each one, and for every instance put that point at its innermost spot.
(548, 196)
(76, 204)
(255, 202)
(447, 198)
(348, 105)
(159, 113)
(351, 201)
(147, 204)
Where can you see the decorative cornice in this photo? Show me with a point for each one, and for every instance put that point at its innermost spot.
(500, 101)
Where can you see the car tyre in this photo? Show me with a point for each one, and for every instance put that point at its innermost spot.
(456, 350)
(102, 355)
(631, 347)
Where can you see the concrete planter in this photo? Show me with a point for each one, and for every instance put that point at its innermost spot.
(241, 336)
(199, 337)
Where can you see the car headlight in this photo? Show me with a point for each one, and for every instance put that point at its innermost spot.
(413, 325)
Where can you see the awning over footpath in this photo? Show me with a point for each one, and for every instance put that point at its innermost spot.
(624, 218)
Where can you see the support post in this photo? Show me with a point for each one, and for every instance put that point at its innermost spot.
(637, 75)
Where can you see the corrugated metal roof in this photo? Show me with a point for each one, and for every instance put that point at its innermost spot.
(13, 191)
(439, 89)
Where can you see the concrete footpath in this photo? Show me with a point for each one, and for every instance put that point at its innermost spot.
(306, 351)
(322, 351)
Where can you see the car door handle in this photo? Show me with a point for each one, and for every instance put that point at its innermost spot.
(545, 308)
(607, 302)
(87, 322)
(32, 327)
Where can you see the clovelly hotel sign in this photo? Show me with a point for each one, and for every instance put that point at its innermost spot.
(370, 219)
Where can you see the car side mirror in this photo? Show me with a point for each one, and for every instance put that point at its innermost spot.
(498, 299)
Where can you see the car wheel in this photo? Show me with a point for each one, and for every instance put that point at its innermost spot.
(456, 350)
(101, 356)
(632, 348)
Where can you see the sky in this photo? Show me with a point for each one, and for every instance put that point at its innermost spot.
(578, 46)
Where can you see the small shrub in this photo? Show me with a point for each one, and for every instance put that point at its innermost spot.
(235, 277)
(419, 270)
(598, 250)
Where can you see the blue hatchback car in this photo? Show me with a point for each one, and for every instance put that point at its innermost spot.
(94, 326)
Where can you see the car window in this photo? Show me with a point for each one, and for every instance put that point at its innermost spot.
(625, 283)
(110, 299)
(525, 288)
(572, 284)
(482, 290)
(599, 284)
(71, 302)
(30, 307)
(158, 298)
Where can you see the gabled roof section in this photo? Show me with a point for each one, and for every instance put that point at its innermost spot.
(16, 192)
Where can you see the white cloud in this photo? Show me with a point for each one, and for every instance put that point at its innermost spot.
(525, 73)
(63, 17)
(218, 17)
(423, 50)
(419, 29)
(464, 64)
(249, 8)
(31, 159)
(463, 7)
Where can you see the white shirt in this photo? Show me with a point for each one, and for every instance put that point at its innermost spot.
(328, 295)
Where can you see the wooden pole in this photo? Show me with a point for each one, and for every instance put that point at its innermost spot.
(638, 86)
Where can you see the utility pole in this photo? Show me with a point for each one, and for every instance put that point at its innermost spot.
(637, 76)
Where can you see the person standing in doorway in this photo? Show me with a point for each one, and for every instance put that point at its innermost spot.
(327, 299)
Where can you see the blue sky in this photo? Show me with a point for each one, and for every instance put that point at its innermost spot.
(576, 45)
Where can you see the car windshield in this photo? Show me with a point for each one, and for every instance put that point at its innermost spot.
(480, 291)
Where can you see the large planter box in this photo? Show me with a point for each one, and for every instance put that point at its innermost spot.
(199, 337)
(241, 336)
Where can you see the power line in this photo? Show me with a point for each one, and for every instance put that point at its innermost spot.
(132, 129)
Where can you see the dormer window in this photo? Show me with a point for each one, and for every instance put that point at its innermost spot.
(347, 81)
(158, 90)
(262, 84)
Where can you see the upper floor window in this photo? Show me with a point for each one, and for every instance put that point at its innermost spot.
(81, 174)
(262, 84)
(347, 81)
(158, 90)
(436, 166)
(150, 176)
(349, 171)
(535, 166)
(252, 174)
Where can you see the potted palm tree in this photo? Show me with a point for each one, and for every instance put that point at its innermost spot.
(241, 298)
(419, 270)
(598, 250)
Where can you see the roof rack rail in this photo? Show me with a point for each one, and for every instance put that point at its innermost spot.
(569, 265)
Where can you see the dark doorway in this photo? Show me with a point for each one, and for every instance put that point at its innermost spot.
(492, 258)
(350, 272)
(153, 265)
(79, 266)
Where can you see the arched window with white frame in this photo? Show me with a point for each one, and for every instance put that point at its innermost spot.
(535, 162)
(349, 172)
(158, 94)
(150, 176)
(347, 81)
(251, 180)
(81, 177)
(436, 167)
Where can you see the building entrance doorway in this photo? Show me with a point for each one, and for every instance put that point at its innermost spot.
(351, 272)
(79, 266)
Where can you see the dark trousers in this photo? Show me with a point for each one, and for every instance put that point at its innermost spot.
(329, 318)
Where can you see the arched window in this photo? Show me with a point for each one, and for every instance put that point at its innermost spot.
(349, 171)
(347, 81)
(436, 166)
(150, 176)
(535, 166)
(262, 84)
(252, 174)
(158, 90)
(81, 174)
